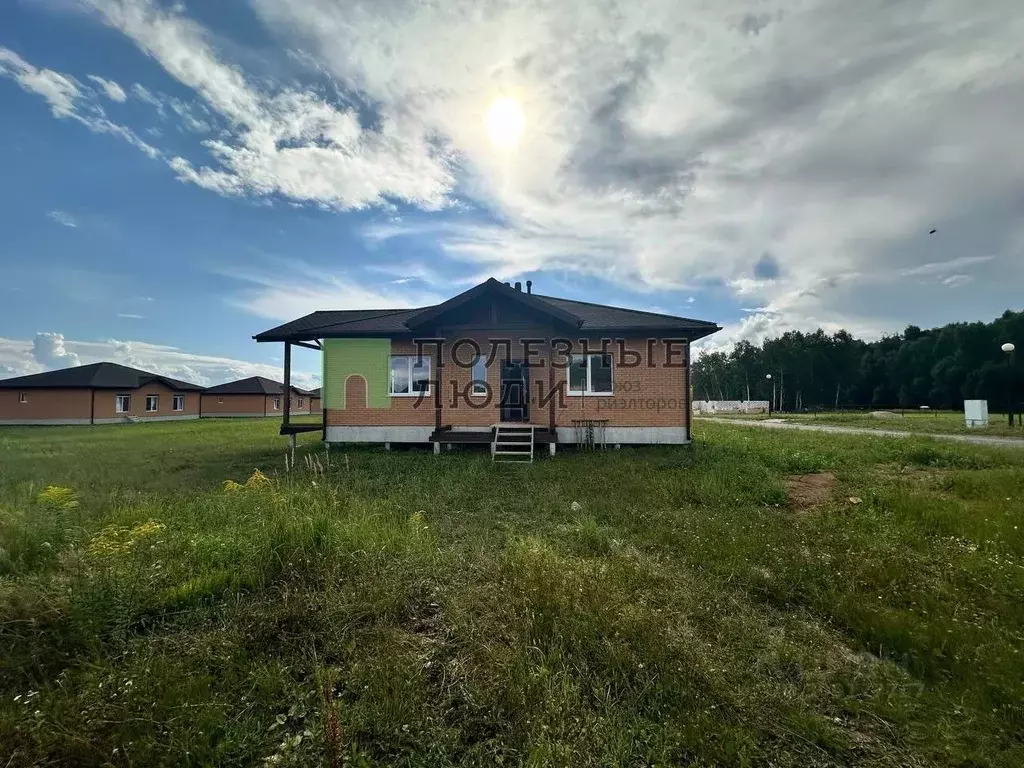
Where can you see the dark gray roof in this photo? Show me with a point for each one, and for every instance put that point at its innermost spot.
(254, 385)
(605, 317)
(583, 315)
(95, 376)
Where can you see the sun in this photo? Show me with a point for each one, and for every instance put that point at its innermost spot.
(505, 122)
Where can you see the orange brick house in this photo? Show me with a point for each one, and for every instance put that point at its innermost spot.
(315, 401)
(254, 396)
(497, 356)
(100, 393)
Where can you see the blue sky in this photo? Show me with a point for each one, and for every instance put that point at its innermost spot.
(180, 176)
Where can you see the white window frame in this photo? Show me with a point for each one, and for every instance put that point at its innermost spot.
(588, 392)
(23, 397)
(220, 401)
(156, 403)
(275, 403)
(178, 403)
(478, 386)
(411, 362)
(298, 402)
(126, 399)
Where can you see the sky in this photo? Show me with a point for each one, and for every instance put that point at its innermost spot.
(178, 176)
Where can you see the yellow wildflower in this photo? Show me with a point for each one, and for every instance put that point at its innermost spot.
(147, 528)
(118, 540)
(257, 480)
(230, 486)
(58, 497)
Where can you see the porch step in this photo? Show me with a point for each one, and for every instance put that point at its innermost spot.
(512, 443)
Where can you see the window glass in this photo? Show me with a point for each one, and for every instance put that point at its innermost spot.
(601, 374)
(420, 374)
(578, 374)
(179, 403)
(480, 376)
(151, 402)
(122, 403)
(400, 376)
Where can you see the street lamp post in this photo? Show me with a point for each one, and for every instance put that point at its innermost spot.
(771, 402)
(1008, 349)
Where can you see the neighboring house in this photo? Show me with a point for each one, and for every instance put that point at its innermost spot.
(255, 396)
(100, 393)
(315, 403)
(575, 371)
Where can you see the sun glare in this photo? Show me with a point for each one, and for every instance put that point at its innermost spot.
(505, 122)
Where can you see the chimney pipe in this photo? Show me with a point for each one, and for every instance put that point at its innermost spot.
(529, 286)
(509, 284)
(519, 286)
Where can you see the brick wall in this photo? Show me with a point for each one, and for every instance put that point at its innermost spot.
(255, 405)
(43, 404)
(643, 396)
(106, 402)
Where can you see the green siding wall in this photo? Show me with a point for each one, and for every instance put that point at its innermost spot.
(368, 358)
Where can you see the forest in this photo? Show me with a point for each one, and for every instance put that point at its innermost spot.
(938, 368)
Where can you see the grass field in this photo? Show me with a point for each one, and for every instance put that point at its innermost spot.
(663, 606)
(934, 422)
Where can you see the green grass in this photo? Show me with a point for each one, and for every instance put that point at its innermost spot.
(658, 606)
(927, 422)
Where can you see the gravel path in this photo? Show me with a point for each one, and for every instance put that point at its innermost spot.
(1011, 442)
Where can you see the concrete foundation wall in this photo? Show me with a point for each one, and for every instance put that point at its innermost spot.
(379, 434)
(633, 435)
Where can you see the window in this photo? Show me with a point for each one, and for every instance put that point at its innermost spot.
(152, 403)
(299, 403)
(590, 375)
(23, 397)
(410, 375)
(276, 403)
(479, 376)
(178, 403)
(122, 404)
(220, 401)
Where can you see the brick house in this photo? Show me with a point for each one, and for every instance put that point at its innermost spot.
(254, 396)
(497, 357)
(315, 401)
(100, 393)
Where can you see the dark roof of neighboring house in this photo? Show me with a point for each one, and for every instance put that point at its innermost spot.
(95, 376)
(580, 315)
(254, 385)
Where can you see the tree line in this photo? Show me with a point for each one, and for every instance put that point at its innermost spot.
(939, 367)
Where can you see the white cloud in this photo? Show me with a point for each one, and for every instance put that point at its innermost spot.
(665, 142)
(943, 267)
(287, 289)
(62, 218)
(58, 90)
(954, 280)
(48, 351)
(113, 91)
(288, 142)
(130, 316)
(665, 145)
(67, 99)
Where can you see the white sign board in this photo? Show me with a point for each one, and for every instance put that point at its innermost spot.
(976, 413)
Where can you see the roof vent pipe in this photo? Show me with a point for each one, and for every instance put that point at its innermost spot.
(509, 284)
(519, 286)
(529, 286)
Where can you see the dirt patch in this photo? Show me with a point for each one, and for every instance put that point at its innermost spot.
(807, 491)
